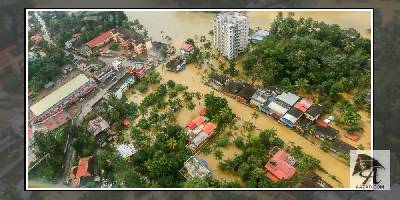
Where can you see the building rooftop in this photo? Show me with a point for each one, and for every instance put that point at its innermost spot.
(279, 167)
(288, 97)
(195, 168)
(97, 125)
(126, 150)
(104, 36)
(314, 110)
(59, 94)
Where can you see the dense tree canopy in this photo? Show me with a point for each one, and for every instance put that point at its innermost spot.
(312, 55)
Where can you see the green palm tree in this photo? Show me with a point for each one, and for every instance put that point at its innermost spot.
(302, 84)
(172, 143)
(255, 115)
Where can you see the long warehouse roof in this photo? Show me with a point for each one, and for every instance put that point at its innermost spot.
(56, 96)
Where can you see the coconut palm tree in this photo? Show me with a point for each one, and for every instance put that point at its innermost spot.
(255, 115)
(172, 143)
(302, 84)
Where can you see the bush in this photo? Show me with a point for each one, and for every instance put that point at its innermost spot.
(277, 142)
(142, 86)
(239, 142)
(223, 142)
(113, 46)
(171, 84)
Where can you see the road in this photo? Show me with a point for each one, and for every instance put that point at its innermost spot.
(46, 35)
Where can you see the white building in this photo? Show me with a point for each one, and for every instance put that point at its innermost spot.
(231, 32)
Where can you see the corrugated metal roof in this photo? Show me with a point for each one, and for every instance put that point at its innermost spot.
(56, 96)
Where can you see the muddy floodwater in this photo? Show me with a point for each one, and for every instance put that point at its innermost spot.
(182, 25)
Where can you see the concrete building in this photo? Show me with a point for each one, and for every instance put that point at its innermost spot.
(231, 33)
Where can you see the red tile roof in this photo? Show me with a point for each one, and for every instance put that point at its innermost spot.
(196, 122)
(321, 123)
(83, 166)
(209, 128)
(126, 122)
(352, 136)
(187, 47)
(278, 168)
(104, 36)
(303, 105)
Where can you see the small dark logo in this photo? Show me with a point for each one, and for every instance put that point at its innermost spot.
(367, 167)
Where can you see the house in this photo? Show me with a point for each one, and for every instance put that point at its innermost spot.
(313, 180)
(84, 172)
(303, 124)
(195, 168)
(325, 132)
(126, 150)
(258, 35)
(116, 64)
(101, 40)
(192, 124)
(138, 71)
(280, 166)
(219, 79)
(244, 96)
(339, 146)
(36, 38)
(186, 48)
(140, 48)
(121, 86)
(303, 105)
(288, 98)
(101, 74)
(97, 125)
(291, 117)
(276, 109)
(261, 96)
(313, 112)
(232, 88)
(352, 136)
(126, 122)
(177, 64)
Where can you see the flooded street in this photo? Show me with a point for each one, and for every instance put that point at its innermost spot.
(182, 25)
(192, 78)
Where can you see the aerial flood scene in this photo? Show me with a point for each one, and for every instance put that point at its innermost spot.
(196, 99)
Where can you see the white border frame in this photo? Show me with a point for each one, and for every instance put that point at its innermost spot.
(371, 10)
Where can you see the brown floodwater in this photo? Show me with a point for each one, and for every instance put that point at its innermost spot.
(192, 77)
(180, 25)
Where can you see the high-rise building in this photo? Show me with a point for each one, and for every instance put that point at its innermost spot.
(230, 34)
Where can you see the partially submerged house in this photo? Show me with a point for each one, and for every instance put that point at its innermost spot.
(339, 146)
(303, 105)
(261, 96)
(198, 132)
(280, 105)
(195, 168)
(232, 88)
(303, 124)
(244, 96)
(186, 48)
(352, 136)
(280, 166)
(138, 71)
(313, 180)
(313, 112)
(177, 64)
(218, 81)
(323, 131)
(291, 117)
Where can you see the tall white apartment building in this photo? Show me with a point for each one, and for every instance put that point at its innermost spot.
(231, 30)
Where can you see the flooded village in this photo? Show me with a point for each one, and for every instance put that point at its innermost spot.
(140, 103)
